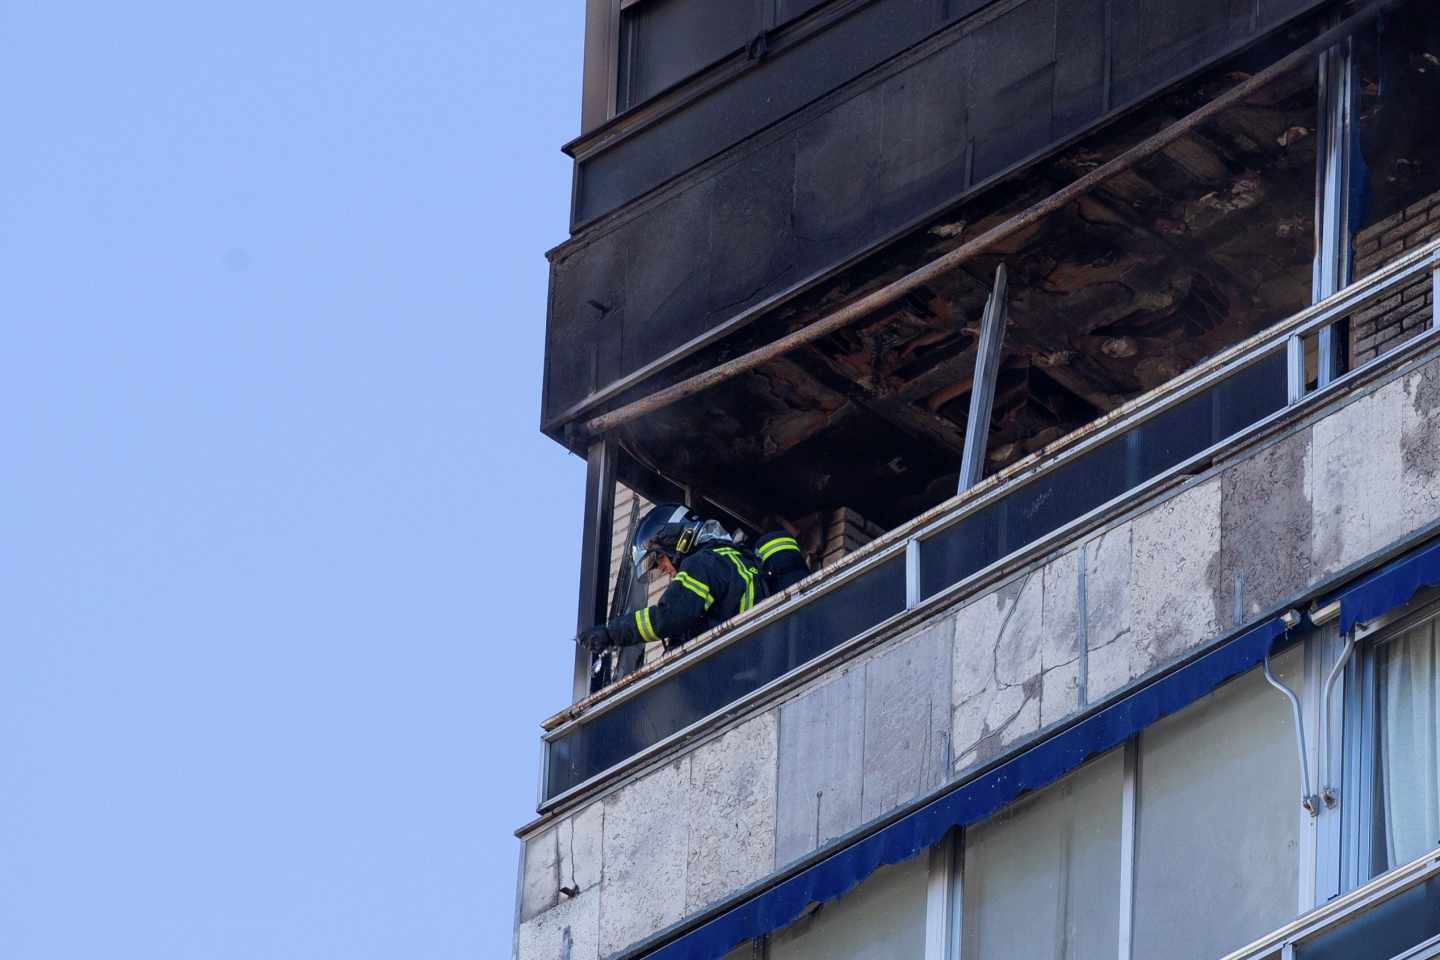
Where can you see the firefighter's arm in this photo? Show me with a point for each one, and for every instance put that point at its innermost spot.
(679, 612)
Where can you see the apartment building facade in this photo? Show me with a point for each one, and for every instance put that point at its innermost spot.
(1089, 348)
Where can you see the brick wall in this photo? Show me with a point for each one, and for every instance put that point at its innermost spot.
(844, 532)
(1405, 313)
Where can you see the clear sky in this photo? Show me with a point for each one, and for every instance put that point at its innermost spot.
(286, 568)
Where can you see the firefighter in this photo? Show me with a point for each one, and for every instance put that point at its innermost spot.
(781, 560)
(712, 580)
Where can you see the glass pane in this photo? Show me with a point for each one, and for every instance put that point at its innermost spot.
(1405, 803)
(1147, 450)
(718, 680)
(1042, 878)
(1395, 194)
(1397, 82)
(1384, 931)
(1219, 810)
(881, 919)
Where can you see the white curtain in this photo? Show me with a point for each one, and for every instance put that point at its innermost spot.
(1409, 715)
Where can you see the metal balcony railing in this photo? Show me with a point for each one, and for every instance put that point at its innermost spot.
(1393, 917)
(1035, 505)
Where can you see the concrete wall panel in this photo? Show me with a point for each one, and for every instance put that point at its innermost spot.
(564, 858)
(645, 849)
(999, 662)
(907, 720)
(571, 929)
(822, 750)
(1265, 528)
(732, 804)
(1162, 600)
(1356, 456)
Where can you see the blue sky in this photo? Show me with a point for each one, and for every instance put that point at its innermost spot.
(286, 567)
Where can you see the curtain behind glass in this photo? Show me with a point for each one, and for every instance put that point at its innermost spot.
(1409, 722)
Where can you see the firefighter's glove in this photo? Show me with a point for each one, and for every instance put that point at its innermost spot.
(597, 639)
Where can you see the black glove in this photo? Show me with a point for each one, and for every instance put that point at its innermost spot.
(597, 639)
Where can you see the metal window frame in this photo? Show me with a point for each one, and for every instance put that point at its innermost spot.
(944, 899)
(1129, 848)
(1336, 132)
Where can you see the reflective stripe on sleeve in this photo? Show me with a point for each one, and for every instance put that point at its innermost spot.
(697, 587)
(643, 625)
(771, 547)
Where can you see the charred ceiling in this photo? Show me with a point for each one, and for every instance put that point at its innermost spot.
(1166, 264)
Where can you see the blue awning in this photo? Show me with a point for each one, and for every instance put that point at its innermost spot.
(974, 800)
(1392, 586)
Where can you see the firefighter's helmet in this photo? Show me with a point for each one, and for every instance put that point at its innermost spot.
(669, 529)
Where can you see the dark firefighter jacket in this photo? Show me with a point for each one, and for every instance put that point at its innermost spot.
(712, 585)
(781, 560)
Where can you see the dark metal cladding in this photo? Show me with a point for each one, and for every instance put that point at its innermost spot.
(801, 197)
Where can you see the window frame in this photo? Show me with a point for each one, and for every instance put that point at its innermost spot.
(1360, 733)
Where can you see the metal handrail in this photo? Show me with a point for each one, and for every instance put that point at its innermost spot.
(1334, 913)
(1018, 476)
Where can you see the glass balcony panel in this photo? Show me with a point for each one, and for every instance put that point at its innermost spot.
(715, 681)
(1383, 932)
(1044, 505)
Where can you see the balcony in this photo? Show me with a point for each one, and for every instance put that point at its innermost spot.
(1035, 508)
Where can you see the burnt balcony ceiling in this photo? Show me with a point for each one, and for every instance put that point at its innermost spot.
(1187, 253)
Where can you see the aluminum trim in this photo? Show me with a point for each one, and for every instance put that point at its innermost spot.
(1129, 823)
(1421, 951)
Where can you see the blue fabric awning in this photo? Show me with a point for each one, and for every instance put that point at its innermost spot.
(974, 800)
(1387, 588)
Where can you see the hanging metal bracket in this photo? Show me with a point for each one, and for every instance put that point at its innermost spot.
(1307, 799)
(1329, 793)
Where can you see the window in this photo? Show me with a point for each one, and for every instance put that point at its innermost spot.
(1398, 769)
(1042, 877)
(882, 919)
(1219, 821)
(1405, 801)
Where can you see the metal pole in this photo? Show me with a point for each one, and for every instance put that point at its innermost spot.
(1294, 369)
(595, 551)
(1435, 294)
(982, 391)
(890, 292)
(1307, 800)
(1332, 195)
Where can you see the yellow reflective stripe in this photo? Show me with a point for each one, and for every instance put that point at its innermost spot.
(746, 573)
(696, 587)
(643, 625)
(771, 547)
